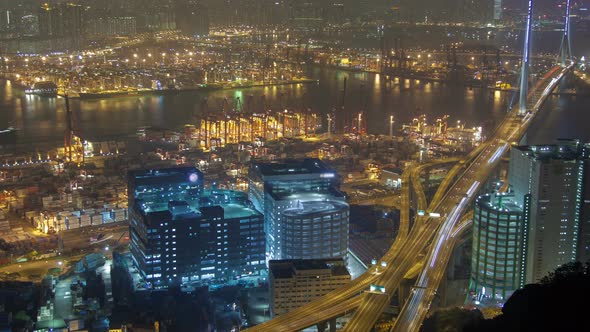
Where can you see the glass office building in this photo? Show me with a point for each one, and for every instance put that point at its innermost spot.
(301, 202)
(315, 229)
(288, 177)
(497, 262)
(181, 233)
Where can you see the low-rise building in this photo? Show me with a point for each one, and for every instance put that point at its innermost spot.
(294, 283)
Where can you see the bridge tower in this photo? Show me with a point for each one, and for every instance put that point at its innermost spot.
(565, 53)
(524, 74)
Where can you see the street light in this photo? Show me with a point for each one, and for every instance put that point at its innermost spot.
(391, 126)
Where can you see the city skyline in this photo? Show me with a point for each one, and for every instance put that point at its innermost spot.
(262, 165)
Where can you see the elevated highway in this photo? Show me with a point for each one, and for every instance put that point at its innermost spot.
(437, 234)
(511, 130)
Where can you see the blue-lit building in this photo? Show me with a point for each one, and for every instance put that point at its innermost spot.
(156, 187)
(181, 233)
(305, 214)
(542, 223)
(552, 183)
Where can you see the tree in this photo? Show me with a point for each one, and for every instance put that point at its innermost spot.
(451, 320)
(557, 303)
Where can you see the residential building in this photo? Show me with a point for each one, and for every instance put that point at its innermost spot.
(294, 283)
(63, 20)
(112, 26)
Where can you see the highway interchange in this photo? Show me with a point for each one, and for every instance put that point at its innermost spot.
(436, 234)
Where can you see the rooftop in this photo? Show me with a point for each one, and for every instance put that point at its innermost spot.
(294, 166)
(567, 149)
(231, 211)
(311, 207)
(502, 202)
(308, 196)
(234, 205)
(287, 268)
(163, 175)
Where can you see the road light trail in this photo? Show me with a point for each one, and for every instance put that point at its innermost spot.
(415, 310)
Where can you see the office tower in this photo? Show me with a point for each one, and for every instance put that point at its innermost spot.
(548, 181)
(497, 255)
(294, 283)
(180, 233)
(302, 206)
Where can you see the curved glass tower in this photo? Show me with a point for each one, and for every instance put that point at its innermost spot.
(497, 256)
(316, 229)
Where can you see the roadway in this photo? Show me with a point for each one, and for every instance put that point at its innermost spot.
(452, 206)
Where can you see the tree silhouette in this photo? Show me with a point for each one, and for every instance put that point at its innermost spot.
(559, 302)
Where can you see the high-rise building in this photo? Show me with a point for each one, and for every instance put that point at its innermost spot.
(112, 26)
(549, 182)
(192, 19)
(63, 20)
(294, 283)
(7, 20)
(497, 252)
(180, 233)
(302, 206)
(497, 10)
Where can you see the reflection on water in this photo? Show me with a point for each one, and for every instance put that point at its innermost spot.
(42, 119)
